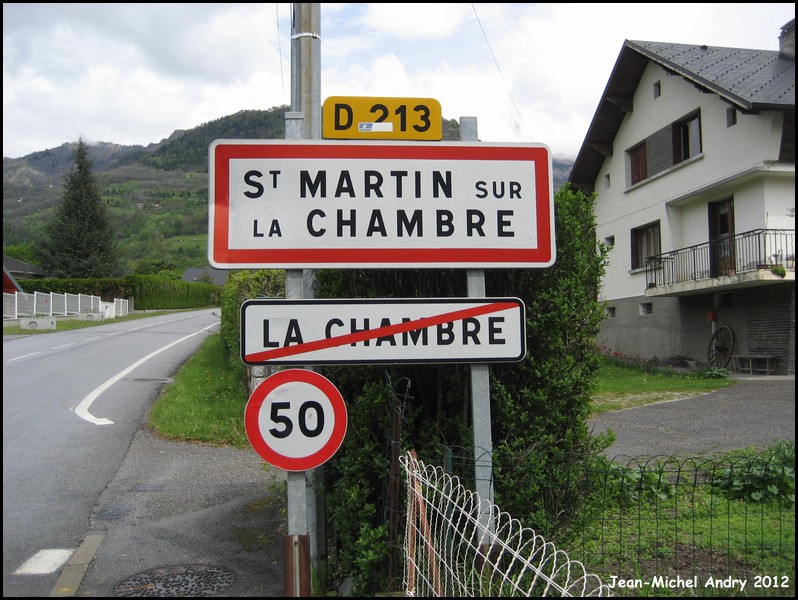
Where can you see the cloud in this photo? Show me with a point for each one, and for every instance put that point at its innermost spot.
(133, 73)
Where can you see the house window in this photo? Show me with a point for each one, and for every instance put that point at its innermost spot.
(646, 308)
(609, 241)
(665, 148)
(687, 138)
(645, 243)
(609, 312)
(638, 163)
(606, 181)
(731, 117)
(657, 89)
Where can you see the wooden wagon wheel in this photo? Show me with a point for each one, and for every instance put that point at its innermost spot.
(721, 347)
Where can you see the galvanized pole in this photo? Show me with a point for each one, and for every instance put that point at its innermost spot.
(306, 67)
(480, 381)
(303, 122)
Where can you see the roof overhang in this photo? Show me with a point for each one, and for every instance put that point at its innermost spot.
(10, 284)
(615, 103)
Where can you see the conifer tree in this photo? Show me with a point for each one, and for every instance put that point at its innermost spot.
(79, 241)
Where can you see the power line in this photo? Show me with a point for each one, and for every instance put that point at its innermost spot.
(279, 45)
(498, 68)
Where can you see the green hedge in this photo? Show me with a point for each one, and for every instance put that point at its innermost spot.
(242, 286)
(149, 292)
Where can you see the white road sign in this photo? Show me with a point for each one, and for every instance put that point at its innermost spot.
(411, 330)
(368, 204)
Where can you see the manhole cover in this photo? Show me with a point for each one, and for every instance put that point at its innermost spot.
(180, 581)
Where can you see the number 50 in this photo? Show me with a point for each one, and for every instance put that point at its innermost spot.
(302, 419)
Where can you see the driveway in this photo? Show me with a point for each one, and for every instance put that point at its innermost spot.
(756, 412)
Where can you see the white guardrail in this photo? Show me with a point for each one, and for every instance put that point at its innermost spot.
(40, 304)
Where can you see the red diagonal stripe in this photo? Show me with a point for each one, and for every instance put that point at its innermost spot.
(370, 334)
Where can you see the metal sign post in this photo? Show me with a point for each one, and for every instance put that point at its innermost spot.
(480, 384)
(304, 122)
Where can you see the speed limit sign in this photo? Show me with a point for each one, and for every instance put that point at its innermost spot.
(295, 419)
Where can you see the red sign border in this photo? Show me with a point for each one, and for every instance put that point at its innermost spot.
(289, 355)
(256, 439)
(220, 255)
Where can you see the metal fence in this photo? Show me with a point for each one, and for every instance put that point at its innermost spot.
(449, 552)
(720, 525)
(693, 525)
(749, 251)
(44, 304)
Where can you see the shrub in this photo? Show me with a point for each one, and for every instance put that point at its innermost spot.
(629, 485)
(778, 270)
(715, 373)
(765, 477)
(241, 286)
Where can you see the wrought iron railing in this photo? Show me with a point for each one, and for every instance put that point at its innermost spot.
(749, 251)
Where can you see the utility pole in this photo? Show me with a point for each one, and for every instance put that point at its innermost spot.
(306, 67)
(304, 545)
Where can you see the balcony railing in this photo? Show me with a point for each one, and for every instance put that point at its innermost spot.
(757, 249)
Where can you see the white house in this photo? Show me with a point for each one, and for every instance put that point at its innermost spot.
(691, 156)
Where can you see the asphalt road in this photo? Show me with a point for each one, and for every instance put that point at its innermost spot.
(72, 402)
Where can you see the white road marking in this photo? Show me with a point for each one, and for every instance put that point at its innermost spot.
(82, 409)
(24, 356)
(44, 562)
(62, 346)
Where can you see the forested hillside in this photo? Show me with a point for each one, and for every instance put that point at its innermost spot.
(157, 195)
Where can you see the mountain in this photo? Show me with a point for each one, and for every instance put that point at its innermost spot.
(157, 194)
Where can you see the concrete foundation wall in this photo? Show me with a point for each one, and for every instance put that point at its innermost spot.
(761, 318)
(634, 333)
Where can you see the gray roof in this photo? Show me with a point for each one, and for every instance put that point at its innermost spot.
(751, 79)
(19, 267)
(217, 276)
(748, 79)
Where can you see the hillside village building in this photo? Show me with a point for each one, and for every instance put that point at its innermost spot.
(691, 155)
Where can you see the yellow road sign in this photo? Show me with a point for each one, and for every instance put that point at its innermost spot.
(371, 118)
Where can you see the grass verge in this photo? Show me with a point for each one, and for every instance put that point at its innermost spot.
(620, 385)
(70, 324)
(206, 402)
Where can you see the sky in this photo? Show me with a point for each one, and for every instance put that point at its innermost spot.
(131, 74)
